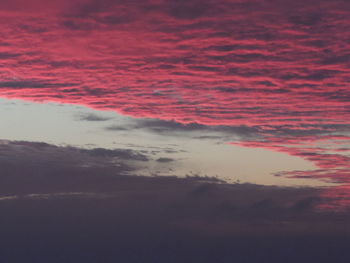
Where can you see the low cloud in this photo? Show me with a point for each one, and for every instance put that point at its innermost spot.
(91, 117)
(47, 195)
(193, 130)
(165, 160)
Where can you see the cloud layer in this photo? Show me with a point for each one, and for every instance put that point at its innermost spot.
(69, 204)
(279, 67)
(227, 62)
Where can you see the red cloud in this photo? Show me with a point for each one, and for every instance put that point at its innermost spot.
(281, 66)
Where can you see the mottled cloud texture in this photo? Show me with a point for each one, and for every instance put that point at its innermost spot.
(65, 204)
(281, 66)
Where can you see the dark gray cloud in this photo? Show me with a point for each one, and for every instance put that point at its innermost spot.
(170, 128)
(227, 133)
(91, 117)
(25, 84)
(165, 160)
(55, 204)
(125, 154)
(53, 159)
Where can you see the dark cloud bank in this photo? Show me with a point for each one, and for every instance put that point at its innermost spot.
(64, 204)
(279, 65)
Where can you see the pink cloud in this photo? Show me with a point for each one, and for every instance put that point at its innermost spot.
(281, 66)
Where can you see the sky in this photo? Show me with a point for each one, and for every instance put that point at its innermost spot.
(212, 120)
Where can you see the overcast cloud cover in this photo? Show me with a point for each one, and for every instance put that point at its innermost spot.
(260, 74)
(280, 66)
(64, 204)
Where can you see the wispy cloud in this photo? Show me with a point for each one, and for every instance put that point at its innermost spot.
(91, 117)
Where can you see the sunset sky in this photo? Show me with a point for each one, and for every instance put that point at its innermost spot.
(211, 119)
